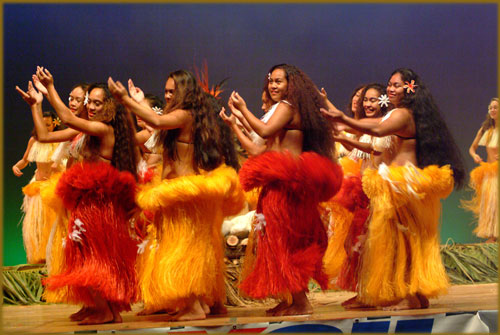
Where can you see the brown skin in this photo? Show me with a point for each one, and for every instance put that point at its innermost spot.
(400, 123)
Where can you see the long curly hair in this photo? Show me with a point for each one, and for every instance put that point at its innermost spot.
(360, 111)
(488, 123)
(435, 143)
(124, 150)
(305, 98)
(210, 149)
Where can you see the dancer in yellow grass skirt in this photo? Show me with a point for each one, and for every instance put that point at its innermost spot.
(484, 178)
(180, 265)
(37, 217)
(400, 265)
(181, 258)
(348, 210)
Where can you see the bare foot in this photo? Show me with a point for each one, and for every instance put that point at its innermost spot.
(192, 312)
(354, 303)
(218, 308)
(81, 314)
(410, 302)
(282, 305)
(98, 317)
(147, 311)
(117, 318)
(205, 307)
(424, 302)
(300, 305)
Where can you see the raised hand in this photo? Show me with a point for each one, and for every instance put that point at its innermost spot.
(234, 111)
(238, 101)
(44, 76)
(117, 89)
(39, 86)
(135, 92)
(332, 114)
(229, 120)
(31, 96)
(323, 94)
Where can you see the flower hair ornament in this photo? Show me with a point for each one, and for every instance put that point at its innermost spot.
(269, 76)
(383, 100)
(56, 122)
(86, 101)
(410, 86)
(157, 110)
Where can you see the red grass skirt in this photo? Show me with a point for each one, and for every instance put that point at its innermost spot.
(287, 250)
(99, 253)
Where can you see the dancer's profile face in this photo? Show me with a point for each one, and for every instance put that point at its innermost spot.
(49, 123)
(355, 101)
(370, 103)
(278, 85)
(395, 90)
(265, 102)
(95, 104)
(169, 90)
(493, 110)
(76, 99)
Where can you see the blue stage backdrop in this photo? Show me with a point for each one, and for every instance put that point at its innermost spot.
(452, 46)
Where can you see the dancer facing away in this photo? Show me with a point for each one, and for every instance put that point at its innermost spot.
(296, 172)
(99, 254)
(37, 216)
(199, 187)
(483, 179)
(401, 266)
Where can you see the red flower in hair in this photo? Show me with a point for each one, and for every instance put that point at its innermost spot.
(410, 86)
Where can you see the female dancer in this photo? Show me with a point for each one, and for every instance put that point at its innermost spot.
(296, 172)
(349, 208)
(401, 266)
(483, 179)
(99, 193)
(38, 217)
(198, 189)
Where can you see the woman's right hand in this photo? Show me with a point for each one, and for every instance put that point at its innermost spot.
(229, 120)
(31, 96)
(17, 171)
(477, 159)
(135, 92)
(45, 76)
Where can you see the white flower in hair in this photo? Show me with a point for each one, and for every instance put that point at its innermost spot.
(86, 101)
(158, 110)
(383, 100)
(269, 76)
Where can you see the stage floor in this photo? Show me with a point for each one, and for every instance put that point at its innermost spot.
(53, 318)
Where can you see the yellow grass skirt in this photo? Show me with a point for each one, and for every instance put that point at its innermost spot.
(182, 256)
(484, 203)
(37, 222)
(401, 255)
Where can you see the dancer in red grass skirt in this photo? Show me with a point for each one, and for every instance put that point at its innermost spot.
(99, 252)
(296, 173)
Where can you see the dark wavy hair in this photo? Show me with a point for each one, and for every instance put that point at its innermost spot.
(349, 105)
(124, 150)
(154, 100)
(360, 111)
(304, 97)
(209, 149)
(435, 143)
